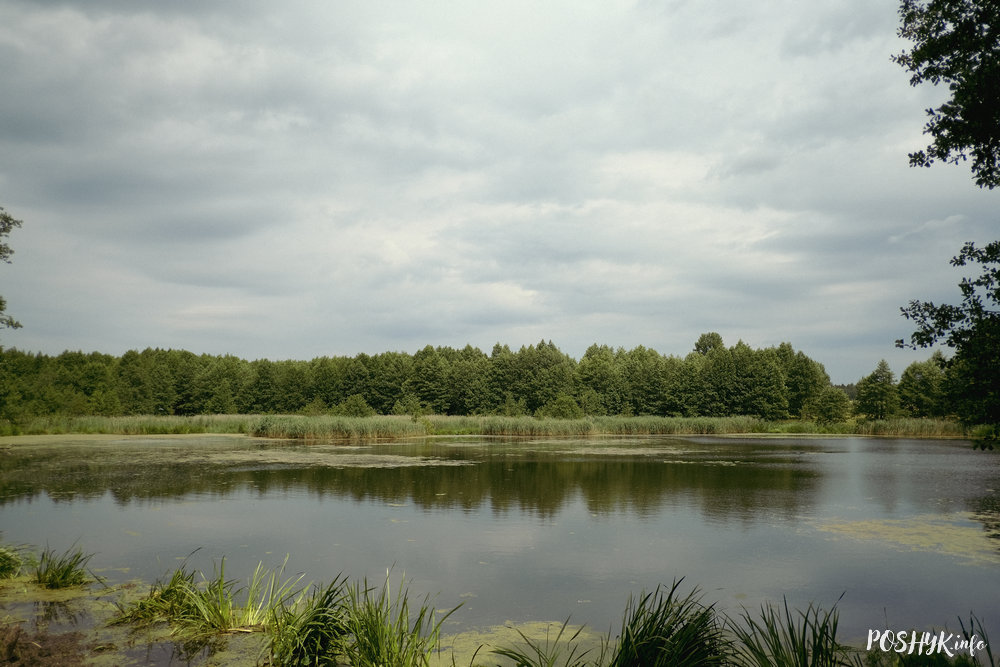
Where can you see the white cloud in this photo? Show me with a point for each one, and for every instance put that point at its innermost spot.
(308, 178)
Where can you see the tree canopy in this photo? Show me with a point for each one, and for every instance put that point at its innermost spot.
(957, 42)
(7, 223)
(972, 329)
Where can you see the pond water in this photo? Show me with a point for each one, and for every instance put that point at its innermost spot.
(539, 530)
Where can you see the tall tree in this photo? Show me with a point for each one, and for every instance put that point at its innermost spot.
(7, 223)
(972, 329)
(957, 42)
(922, 387)
(878, 396)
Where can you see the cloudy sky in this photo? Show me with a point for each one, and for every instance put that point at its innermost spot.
(304, 178)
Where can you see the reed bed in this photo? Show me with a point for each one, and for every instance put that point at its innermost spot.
(382, 427)
(138, 425)
(398, 427)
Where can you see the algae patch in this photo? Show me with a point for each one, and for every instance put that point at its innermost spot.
(959, 535)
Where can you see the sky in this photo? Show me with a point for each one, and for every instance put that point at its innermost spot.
(301, 179)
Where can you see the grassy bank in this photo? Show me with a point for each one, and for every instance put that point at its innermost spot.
(391, 427)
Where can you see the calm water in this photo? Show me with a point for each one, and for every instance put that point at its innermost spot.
(542, 529)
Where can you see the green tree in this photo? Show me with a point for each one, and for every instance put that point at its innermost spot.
(562, 406)
(354, 406)
(7, 223)
(600, 372)
(972, 330)
(831, 405)
(429, 380)
(708, 342)
(468, 386)
(922, 387)
(804, 378)
(878, 396)
(957, 42)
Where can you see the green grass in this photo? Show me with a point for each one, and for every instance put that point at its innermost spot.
(781, 638)
(215, 605)
(550, 652)
(383, 630)
(663, 629)
(311, 629)
(10, 562)
(62, 570)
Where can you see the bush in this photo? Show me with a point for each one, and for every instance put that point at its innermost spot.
(561, 407)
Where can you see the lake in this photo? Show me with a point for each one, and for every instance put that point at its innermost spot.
(539, 530)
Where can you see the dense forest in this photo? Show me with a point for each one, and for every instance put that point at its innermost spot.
(713, 380)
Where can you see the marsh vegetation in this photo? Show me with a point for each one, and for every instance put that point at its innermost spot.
(356, 623)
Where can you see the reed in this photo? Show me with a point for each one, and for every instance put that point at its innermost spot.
(10, 562)
(335, 427)
(311, 630)
(212, 606)
(382, 630)
(663, 629)
(783, 639)
(62, 570)
(549, 652)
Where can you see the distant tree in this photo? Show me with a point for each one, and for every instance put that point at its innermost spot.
(708, 342)
(804, 378)
(562, 406)
(599, 371)
(972, 330)
(877, 394)
(7, 223)
(831, 405)
(957, 42)
(354, 406)
(922, 387)
(429, 380)
(468, 382)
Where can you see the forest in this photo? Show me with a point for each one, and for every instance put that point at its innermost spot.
(713, 380)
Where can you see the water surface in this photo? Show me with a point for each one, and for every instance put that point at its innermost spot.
(539, 530)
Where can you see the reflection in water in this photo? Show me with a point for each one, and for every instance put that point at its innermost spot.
(541, 529)
(506, 477)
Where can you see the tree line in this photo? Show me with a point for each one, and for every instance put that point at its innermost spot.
(713, 380)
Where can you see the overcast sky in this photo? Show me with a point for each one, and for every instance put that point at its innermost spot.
(297, 179)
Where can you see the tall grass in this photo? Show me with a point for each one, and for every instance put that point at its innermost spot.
(62, 570)
(10, 562)
(215, 605)
(550, 652)
(662, 629)
(336, 427)
(310, 630)
(395, 427)
(382, 630)
(783, 639)
(138, 424)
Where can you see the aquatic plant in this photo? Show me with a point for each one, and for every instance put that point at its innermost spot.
(381, 630)
(62, 570)
(783, 639)
(663, 629)
(212, 606)
(309, 630)
(550, 652)
(10, 562)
